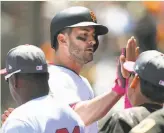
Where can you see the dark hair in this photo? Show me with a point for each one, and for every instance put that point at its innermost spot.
(152, 92)
(55, 42)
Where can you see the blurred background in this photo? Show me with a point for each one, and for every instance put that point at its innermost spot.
(28, 23)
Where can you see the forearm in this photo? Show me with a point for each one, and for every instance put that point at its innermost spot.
(92, 110)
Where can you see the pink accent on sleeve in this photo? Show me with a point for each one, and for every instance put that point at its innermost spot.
(127, 103)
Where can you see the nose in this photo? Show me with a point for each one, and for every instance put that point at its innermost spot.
(92, 42)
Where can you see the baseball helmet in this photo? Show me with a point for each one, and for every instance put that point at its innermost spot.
(75, 17)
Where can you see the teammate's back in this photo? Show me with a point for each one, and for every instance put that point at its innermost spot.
(41, 115)
(37, 112)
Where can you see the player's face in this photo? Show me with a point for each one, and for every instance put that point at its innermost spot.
(130, 91)
(81, 44)
(133, 89)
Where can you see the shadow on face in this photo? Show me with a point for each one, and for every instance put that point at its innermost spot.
(133, 90)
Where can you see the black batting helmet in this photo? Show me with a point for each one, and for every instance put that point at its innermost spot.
(75, 17)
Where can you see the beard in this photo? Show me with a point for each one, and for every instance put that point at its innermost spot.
(82, 56)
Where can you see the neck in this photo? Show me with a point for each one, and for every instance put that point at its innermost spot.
(68, 62)
(142, 100)
(29, 98)
(32, 93)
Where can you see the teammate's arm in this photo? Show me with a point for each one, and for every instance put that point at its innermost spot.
(92, 110)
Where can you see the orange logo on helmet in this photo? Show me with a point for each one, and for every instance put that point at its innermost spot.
(93, 16)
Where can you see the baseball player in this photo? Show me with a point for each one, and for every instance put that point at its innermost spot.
(27, 75)
(74, 37)
(146, 91)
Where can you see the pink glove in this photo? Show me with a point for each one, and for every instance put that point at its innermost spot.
(118, 89)
(127, 103)
(121, 83)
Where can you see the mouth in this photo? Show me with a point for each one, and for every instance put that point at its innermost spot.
(90, 50)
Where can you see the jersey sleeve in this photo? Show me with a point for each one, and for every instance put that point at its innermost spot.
(16, 126)
(90, 88)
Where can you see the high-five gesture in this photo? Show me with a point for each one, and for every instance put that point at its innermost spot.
(132, 52)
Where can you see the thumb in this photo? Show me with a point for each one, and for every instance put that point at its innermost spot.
(137, 52)
(122, 59)
(125, 73)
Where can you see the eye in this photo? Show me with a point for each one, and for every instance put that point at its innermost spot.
(81, 38)
(94, 35)
(85, 36)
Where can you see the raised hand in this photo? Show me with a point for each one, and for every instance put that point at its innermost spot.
(132, 52)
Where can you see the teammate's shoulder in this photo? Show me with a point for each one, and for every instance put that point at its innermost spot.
(126, 115)
(152, 123)
(52, 67)
(17, 112)
(17, 119)
(16, 126)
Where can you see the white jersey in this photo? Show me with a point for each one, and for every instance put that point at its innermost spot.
(43, 115)
(70, 88)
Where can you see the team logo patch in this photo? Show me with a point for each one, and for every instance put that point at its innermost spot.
(161, 82)
(144, 126)
(93, 16)
(39, 68)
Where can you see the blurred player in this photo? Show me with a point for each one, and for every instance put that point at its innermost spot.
(27, 75)
(145, 92)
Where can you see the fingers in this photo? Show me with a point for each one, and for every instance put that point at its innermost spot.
(137, 52)
(3, 117)
(125, 73)
(127, 49)
(10, 109)
(122, 59)
(130, 49)
(6, 114)
(132, 52)
(133, 48)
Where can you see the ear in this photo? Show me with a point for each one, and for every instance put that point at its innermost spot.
(15, 81)
(134, 82)
(61, 38)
